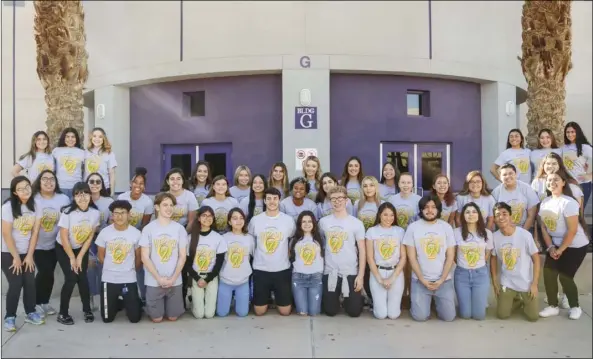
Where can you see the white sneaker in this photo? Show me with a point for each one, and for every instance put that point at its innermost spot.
(93, 306)
(549, 312)
(564, 302)
(39, 309)
(575, 313)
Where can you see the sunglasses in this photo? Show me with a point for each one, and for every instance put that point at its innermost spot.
(95, 181)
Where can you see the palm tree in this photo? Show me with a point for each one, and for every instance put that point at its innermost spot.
(61, 63)
(546, 60)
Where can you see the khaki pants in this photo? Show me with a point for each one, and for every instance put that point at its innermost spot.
(505, 304)
(204, 299)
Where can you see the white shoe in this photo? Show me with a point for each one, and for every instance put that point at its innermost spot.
(549, 312)
(93, 306)
(564, 302)
(575, 313)
(40, 311)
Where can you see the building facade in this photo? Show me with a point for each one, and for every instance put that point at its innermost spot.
(434, 86)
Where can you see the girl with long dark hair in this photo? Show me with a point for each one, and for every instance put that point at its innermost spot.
(207, 250)
(201, 180)
(577, 153)
(20, 226)
(278, 179)
(388, 182)
(352, 176)
(186, 204)
(254, 204)
(441, 187)
(515, 154)
(220, 200)
(69, 157)
(306, 254)
(37, 159)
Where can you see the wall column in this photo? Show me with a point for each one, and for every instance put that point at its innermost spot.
(496, 123)
(305, 73)
(116, 123)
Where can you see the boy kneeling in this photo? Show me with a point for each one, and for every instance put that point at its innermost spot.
(119, 252)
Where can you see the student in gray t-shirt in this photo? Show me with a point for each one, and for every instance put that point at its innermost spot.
(164, 243)
(298, 201)
(430, 246)
(118, 251)
(69, 158)
(221, 202)
(516, 258)
(518, 195)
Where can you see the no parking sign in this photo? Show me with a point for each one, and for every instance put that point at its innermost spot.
(301, 154)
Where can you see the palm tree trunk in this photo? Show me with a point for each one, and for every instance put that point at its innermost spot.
(61, 63)
(546, 60)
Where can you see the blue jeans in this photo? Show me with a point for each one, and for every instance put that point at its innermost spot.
(586, 187)
(225, 295)
(444, 298)
(307, 291)
(472, 287)
(67, 192)
(94, 271)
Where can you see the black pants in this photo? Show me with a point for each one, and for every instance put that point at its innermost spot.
(16, 282)
(71, 279)
(565, 267)
(331, 300)
(45, 261)
(185, 280)
(110, 293)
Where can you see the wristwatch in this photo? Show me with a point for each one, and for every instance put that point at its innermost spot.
(550, 247)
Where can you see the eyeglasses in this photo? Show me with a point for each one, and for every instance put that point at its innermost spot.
(96, 181)
(82, 195)
(475, 182)
(48, 179)
(119, 214)
(337, 199)
(25, 189)
(206, 215)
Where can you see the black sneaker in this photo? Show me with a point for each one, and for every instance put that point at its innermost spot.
(65, 319)
(89, 317)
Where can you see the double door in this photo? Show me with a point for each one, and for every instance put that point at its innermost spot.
(186, 156)
(422, 160)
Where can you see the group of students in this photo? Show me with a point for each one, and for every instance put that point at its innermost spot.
(314, 243)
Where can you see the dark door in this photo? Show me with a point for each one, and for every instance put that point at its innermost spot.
(218, 155)
(432, 159)
(181, 156)
(401, 154)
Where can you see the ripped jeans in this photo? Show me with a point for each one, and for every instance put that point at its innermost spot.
(307, 292)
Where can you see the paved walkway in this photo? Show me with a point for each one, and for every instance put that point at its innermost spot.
(294, 336)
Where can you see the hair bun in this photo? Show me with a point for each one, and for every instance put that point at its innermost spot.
(140, 171)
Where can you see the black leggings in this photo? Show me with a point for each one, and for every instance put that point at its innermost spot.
(565, 267)
(46, 261)
(331, 300)
(16, 282)
(185, 280)
(110, 293)
(71, 279)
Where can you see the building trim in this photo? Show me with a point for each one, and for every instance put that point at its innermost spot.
(430, 29)
(181, 30)
(13, 84)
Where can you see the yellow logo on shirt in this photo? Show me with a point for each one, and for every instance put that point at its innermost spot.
(119, 249)
(386, 247)
(49, 219)
(164, 247)
(471, 253)
(271, 238)
(336, 239)
(522, 164)
(509, 256)
(569, 162)
(69, 164)
(353, 194)
(550, 219)
(236, 254)
(517, 208)
(135, 217)
(92, 163)
(221, 218)
(178, 213)
(445, 215)
(200, 197)
(403, 217)
(368, 218)
(24, 224)
(81, 232)
(257, 210)
(431, 245)
(204, 256)
(308, 252)
(45, 166)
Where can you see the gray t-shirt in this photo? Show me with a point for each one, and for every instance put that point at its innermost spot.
(271, 248)
(22, 227)
(341, 237)
(536, 156)
(514, 253)
(448, 210)
(43, 161)
(313, 190)
(307, 259)
(521, 159)
(165, 243)
(386, 192)
(119, 266)
(471, 253)
(521, 199)
(576, 165)
(99, 162)
(553, 212)
(288, 207)
(353, 190)
(221, 211)
(69, 164)
(485, 203)
(387, 244)
(201, 193)
(238, 193)
(50, 210)
(407, 208)
(80, 225)
(186, 202)
(325, 208)
(208, 247)
(103, 205)
(140, 207)
(431, 242)
(258, 209)
(367, 214)
(236, 268)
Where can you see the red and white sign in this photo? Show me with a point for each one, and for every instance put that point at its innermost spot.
(301, 154)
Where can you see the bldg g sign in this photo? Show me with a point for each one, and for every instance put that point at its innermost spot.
(305, 118)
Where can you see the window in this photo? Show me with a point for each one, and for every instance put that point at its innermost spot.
(13, 3)
(195, 103)
(418, 103)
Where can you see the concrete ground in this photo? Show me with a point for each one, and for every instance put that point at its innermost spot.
(294, 336)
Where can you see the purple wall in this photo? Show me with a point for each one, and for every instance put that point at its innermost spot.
(369, 109)
(243, 110)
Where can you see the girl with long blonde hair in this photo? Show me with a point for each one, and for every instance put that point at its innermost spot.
(242, 180)
(312, 172)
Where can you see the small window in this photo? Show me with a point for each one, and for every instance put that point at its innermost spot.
(418, 103)
(195, 103)
(13, 3)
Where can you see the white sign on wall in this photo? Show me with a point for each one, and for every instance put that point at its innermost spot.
(301, 154)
